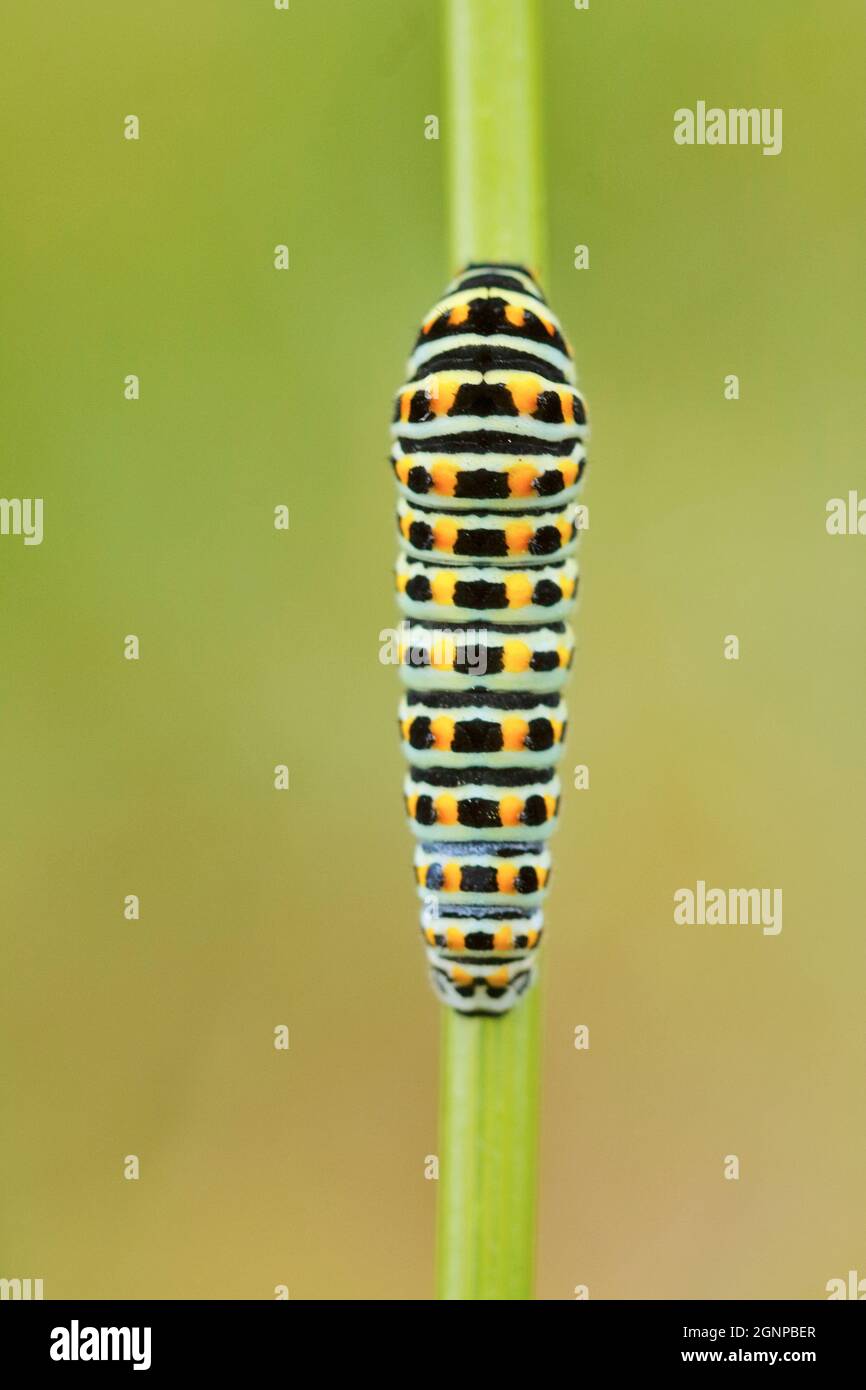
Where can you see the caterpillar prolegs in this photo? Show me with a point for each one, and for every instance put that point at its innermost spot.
(488, 454)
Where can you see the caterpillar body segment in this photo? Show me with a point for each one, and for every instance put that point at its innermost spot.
(469, 593)
(488, 452)
(455, 804)
(510, 731)
(486, 656)
(478, 931)
(437, 534)
(473, 472)
(482, 873)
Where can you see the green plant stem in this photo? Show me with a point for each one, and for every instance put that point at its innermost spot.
(487, 1153)
(493, 130)
(489, 1067)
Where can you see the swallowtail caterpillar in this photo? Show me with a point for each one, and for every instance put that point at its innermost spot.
(488, 454)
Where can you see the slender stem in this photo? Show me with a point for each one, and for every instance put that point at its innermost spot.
(489, 1069)
(488, 1146)
(494, 131)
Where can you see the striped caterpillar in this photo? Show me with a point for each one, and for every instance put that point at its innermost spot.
(488, 456)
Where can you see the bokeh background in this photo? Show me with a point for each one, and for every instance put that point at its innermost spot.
(261, 908)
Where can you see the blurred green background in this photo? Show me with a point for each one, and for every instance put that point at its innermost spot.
(258, 647)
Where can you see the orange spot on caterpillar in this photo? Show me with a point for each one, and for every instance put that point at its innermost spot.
(451, 877)
(518, 590)
(442, 729)
(444, 475)
(520, 479)
(505, 877)
(524, 393)
(510, 810)
(518, 534)
(516, 655)
(446, 809)
(442, 394)
(444, 533)
(514, 731)
(442, 587)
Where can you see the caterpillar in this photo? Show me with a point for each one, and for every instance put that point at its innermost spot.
(488, 454)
